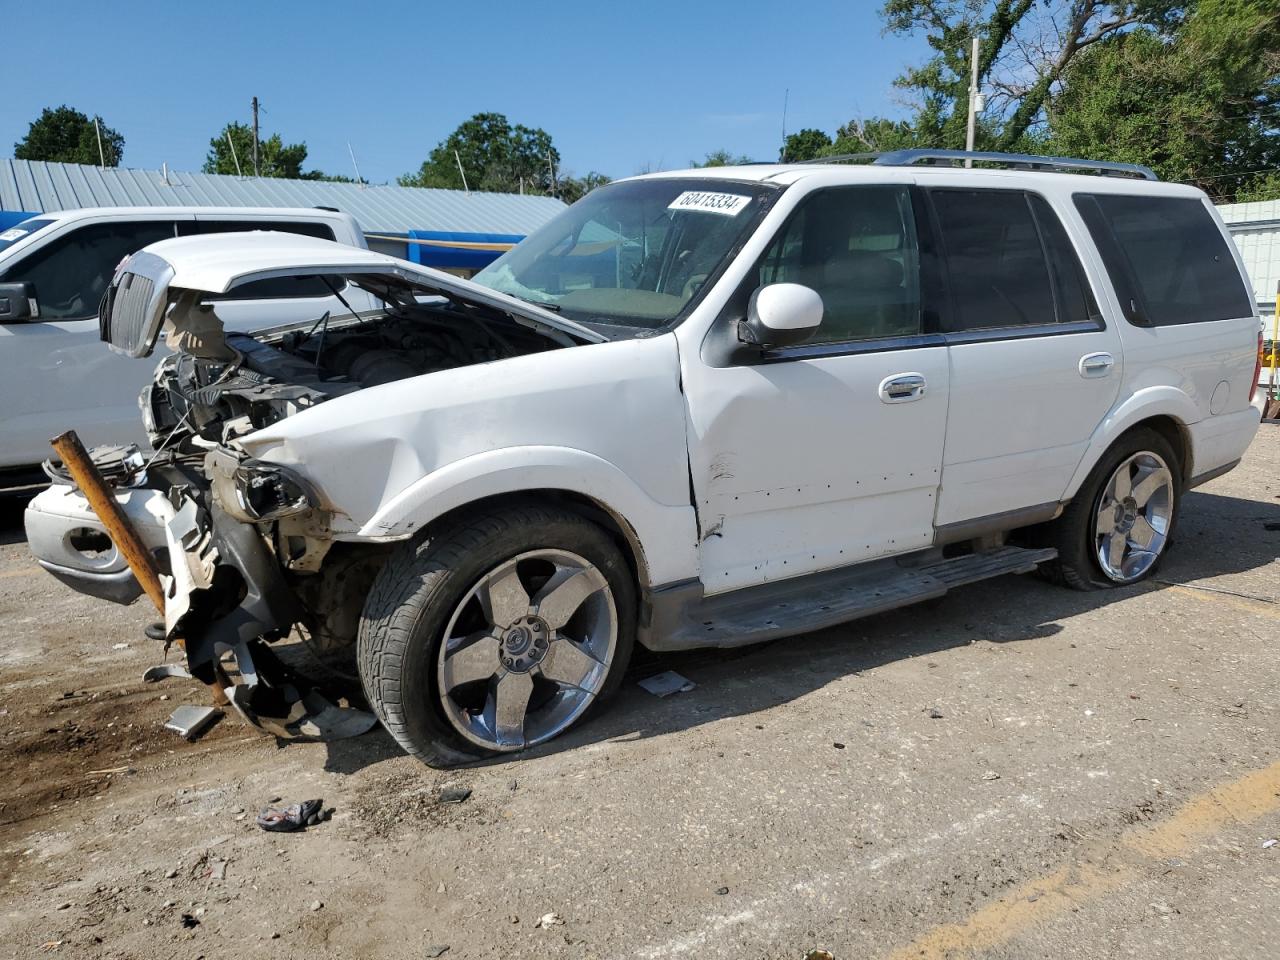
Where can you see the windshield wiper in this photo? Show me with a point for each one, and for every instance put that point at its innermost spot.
(544, 304)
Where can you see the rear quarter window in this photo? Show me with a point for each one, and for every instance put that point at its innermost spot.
(1167, 258)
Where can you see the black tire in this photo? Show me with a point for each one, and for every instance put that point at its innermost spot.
(1072, 534)
(405, 616)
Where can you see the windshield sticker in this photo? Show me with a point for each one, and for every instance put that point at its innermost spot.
(15, 234)
(729, 204)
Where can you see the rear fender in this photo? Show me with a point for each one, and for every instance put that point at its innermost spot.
(1144, 404)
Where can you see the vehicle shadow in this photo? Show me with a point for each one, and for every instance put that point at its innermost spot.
(1217, 535)
(11, 507)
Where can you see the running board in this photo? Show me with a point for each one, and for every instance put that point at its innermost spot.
(803, 604)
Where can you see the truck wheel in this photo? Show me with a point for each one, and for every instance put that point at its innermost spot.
(496, 632)
(1118, 526)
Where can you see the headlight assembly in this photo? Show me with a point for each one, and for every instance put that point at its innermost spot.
(267, 491)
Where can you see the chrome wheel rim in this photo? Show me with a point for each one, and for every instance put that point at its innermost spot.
(1134, 514)
(527, 650)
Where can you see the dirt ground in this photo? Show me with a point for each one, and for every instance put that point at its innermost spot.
(1015, 771)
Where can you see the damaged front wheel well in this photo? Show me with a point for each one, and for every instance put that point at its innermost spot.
(622, 533)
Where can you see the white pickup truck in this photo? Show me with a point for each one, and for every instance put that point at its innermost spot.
(54, 269)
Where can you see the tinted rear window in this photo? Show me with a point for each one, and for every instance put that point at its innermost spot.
(1167, 258)
(995, 260)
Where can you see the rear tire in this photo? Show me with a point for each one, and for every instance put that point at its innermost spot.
(1117, 528)
(495, 632)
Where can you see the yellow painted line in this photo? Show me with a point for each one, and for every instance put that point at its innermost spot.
(1260, 608)
(1041, 900)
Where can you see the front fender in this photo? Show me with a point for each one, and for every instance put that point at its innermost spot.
(666, 535)
(1154, 401)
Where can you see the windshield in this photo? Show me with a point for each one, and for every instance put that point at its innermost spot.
(635, 253)
(24, 229)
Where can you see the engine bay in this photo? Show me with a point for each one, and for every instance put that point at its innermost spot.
(235, 383)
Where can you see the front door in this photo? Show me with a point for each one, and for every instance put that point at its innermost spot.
(821, 455)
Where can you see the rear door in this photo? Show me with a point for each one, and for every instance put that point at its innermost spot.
(1034, 365)
(55, 373)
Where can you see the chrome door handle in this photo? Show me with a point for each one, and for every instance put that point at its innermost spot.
(1096, 365)
(902, 387)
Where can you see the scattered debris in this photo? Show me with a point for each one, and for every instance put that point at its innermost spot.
(119, 646)
(295, 817)
(217, 869)
(189, 922)
(935, 713)
(64, 906)
(316, 905)
(549, 920)
(666, 683)
(838, 745)
(189, 722)
(819, 955)
(171, 874)
(721, 891)
(991, 775)
(162, 671)
(1268, 844)
(454, 793)
(436, 950)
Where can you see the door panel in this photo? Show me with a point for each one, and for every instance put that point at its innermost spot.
(1021, 416)
(800, 465)
(1034, 369)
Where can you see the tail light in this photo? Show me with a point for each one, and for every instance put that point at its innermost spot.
(1257, 368)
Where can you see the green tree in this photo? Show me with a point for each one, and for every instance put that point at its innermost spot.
(807, 144)
(65, 135)
(1264, 187)
(571, 189)
(1026, 47)
(275, 157)
(721, 158)
(495, 156)
(1197, 104)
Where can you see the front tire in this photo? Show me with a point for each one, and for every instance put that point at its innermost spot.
(1117, 528)
(496, 632)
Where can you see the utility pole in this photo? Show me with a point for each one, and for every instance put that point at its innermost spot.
(255, 137)
(971, 130)
(552, 168)
(97, 128)
(359, 179)
(786, 95)
(234, 159)
(461, 172)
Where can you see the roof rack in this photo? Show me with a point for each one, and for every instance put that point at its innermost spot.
(1017, 161)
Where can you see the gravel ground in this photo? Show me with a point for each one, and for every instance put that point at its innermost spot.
(1015, 771)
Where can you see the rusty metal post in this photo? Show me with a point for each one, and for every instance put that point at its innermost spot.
(87, 477)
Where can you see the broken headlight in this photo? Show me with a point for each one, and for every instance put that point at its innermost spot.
(267, 491)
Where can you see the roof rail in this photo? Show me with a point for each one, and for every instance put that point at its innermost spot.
(1018, 161)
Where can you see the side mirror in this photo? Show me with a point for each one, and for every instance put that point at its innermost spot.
(780, 315)
(18, 302)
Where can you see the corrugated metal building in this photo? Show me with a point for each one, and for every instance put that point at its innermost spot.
(455, 229)
(1255, 227)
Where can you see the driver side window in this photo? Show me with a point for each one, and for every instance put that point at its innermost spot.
(72, 272)
(857, 247)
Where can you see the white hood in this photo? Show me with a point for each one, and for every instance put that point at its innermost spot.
(149, 281)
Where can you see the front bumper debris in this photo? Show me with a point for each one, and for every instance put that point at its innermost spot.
(225, 597)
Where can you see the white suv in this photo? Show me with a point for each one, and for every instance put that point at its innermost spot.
(54, 269)
(701, 408)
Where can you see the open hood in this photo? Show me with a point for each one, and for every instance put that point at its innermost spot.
(149, 282)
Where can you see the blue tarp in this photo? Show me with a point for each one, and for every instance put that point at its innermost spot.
(468, 251)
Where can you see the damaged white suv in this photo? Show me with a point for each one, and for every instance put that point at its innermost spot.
(697, 409)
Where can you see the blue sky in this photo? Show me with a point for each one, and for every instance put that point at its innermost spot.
(618, 85)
